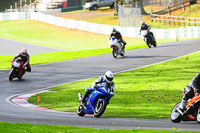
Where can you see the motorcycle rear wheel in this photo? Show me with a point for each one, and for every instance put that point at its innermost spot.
(175, 115)
(80, 110)
(100, 108)
(12, 73)
(114, 53)
(198, 116)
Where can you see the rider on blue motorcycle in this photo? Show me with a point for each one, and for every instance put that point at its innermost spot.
(118, 36)
(106, 80)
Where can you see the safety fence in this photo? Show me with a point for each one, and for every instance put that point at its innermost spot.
(186, 32)
(175, 20)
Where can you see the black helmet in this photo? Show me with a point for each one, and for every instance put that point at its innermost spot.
(142, 23)
(114, 30)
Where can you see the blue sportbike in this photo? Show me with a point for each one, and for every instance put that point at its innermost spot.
(96, 102)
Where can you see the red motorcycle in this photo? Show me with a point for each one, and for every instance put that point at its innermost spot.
(15, 70)
(191, 113)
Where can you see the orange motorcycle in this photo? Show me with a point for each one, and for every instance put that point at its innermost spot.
(191, 113)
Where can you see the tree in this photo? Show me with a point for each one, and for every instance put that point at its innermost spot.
(139, 4)
(117, 2)
(135, 4)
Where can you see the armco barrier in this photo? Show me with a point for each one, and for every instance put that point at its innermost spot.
(186, 32)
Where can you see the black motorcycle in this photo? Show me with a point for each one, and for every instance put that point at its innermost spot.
(149, 38)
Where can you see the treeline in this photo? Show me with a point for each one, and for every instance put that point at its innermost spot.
(5, 4)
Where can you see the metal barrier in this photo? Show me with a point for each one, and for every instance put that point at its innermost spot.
(186, 32)
(173, 20)
(72, 8)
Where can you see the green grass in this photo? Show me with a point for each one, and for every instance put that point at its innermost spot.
(79, 43)
(148, 93)
(28, 128)
(5, 61)
(53, 36)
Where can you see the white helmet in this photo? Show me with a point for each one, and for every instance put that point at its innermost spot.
(109, 76)
(24, 51)
(142, 23)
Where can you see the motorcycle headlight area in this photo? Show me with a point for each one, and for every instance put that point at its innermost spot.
(15, 64)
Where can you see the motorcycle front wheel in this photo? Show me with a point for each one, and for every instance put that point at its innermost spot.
(148, 44)
(123, 52)
(80, 111)
(22, 74)
(12, 74)
(114, 53)
(154, 42)
(100, 108)
(175, 115)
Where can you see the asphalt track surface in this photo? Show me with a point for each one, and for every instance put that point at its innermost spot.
(47, 75)
(12, 47)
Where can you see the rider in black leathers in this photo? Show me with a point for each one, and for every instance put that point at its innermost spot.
(118, 36)
(146, 27)
(192, 89)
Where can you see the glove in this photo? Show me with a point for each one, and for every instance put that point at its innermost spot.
(197, 92)
(93, 85)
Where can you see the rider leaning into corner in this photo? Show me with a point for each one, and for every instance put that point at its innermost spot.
(145, 26)
(25, 60)
(106, 80)
(192, 89)
(118, 36)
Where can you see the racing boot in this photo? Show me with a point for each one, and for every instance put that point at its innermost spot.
(182, 105)
(124, 44)
(84, 99)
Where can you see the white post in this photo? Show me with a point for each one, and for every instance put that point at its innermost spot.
(20, 5)
(11, 8)
(15, 5)
(183, 5)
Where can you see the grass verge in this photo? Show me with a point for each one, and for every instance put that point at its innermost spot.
(148, 92)
(54, 36)
(84, 43)
(28, 128)
(5, 60)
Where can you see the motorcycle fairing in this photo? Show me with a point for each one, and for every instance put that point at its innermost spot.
(193, 100)
(192, 109)
(91, 101)
(114, 43)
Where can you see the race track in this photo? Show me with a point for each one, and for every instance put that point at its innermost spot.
(47, 75)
